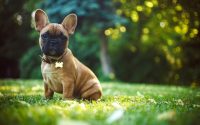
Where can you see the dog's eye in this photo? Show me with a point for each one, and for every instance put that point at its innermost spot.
(45, 35)
(63, 37)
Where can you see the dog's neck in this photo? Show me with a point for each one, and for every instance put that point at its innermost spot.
(52, 59)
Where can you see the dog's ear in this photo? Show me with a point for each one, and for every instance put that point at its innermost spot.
(69, 23)
(40, 19)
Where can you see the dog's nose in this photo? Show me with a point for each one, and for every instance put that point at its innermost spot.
(52, 42)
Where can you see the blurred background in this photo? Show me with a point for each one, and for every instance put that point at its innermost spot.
(148, 41)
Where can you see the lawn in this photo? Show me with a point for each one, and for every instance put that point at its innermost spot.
(22, 103)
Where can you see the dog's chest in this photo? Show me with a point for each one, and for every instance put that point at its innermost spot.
(53, 77)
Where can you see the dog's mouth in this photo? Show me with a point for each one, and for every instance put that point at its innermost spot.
(55, 52)
(52, 53)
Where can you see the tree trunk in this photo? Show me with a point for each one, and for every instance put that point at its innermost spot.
(105, 58)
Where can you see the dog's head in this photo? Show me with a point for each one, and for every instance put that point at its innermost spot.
(53, 36)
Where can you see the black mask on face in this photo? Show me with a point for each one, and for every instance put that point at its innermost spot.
(53, 45)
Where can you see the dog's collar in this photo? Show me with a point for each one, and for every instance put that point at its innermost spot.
(51, 59)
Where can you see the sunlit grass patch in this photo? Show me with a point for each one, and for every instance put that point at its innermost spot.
(22, 102)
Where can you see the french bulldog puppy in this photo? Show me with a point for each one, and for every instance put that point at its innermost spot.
(61, 71)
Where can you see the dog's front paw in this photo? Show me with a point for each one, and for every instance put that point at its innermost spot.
(48, 97)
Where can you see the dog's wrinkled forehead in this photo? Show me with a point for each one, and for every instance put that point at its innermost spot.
(54, 29)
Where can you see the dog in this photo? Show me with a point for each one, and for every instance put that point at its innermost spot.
(61, 71)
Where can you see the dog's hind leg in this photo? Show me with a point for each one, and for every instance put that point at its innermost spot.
(92, 90)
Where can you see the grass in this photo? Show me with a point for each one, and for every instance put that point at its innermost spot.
(22, 103)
